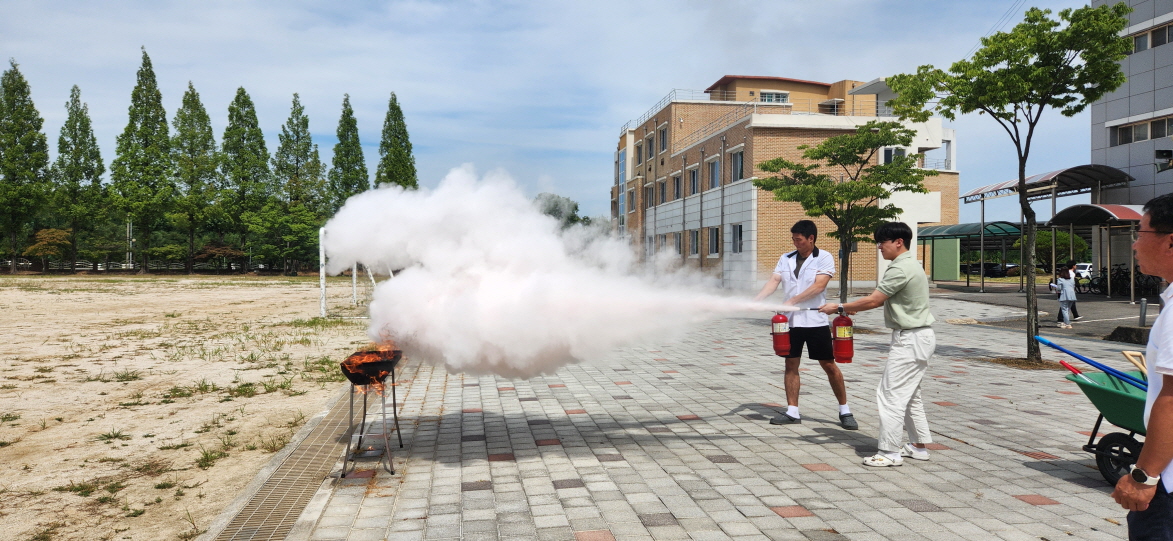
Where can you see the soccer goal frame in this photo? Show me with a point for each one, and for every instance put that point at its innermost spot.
(323, 299)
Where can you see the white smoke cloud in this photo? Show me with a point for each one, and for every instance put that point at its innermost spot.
(491, 285)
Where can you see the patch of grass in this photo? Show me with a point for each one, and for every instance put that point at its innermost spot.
(208, 457)
(135, 512)
(46, 531)
(6, 443)
(172, 314)
(153, 467)
(178, 392)
(114, 487)
(165, 485)
(127, 375)
(174, 446)
(43, 369)
(275, 443)
(297, 420)
(107, 499)
(101, 377)
(204, 386)
(322, 370)
(244, 390)
(319, 323)
(113, 435)
(81, 489)
(9, 417)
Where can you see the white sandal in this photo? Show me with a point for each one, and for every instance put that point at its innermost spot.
(881, 461)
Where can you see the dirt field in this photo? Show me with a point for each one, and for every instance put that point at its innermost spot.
(138, 407)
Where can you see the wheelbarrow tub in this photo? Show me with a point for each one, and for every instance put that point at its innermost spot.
(1120, 403)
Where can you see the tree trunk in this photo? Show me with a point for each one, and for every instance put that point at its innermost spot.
(844, 266)
(12, 269)
(73, 248)
(1032, 302)
(190, 248)
(146, 245)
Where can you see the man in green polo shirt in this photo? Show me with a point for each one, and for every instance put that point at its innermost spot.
(904, 293)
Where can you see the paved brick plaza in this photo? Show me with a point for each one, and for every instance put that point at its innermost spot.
(672, 441)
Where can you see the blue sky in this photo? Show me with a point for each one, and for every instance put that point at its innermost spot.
(538, 89)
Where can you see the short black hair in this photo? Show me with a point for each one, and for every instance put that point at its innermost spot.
(1070, 264)
(1160, 211)
(806, 228)
(889, 231)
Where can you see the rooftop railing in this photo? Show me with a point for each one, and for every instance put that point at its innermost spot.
(857, 107)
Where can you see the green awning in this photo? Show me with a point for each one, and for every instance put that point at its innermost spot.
(965, 231)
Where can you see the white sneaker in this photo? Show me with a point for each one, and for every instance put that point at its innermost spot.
(881, 461)
(911, 451)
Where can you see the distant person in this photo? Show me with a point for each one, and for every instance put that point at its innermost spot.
(1065, 284)
(1074, 310)
(1145, 492)
(903, 291)
(804, 275)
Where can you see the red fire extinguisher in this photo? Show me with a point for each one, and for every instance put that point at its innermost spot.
(781, 333)
(842, 332)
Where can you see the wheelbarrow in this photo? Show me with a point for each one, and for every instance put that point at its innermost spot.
(1122, 405)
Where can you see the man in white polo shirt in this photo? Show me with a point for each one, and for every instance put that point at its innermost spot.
(1144, 492)
(804, 275)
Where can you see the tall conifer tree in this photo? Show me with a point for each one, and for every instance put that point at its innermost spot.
(247, 180)
(141, 172)
(396, 162)
(196, 167)
(24, 157)
(348, 176)
(296, 163)
(78, 194)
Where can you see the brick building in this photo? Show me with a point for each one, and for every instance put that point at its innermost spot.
(684, 173)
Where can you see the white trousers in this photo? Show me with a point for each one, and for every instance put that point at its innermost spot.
(898, 396)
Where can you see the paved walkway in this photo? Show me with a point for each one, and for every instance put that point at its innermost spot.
(672, 441)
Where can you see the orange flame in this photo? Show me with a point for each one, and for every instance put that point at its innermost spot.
(373, 352)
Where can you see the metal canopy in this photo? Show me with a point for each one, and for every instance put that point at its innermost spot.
(1069, 181)
(1097, 215)
(961, 231)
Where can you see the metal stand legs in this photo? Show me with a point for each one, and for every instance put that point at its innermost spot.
(350, 455)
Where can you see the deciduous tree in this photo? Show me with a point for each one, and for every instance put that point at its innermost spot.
(348, 176)
(78, 195)
(1063, 64)
(396, 162)
(24, 158)
(142, 183)
(845, 183)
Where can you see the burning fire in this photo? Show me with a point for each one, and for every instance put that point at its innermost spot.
(381, 351)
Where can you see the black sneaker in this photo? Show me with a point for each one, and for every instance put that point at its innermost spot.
(848, 422)
(785, 419)
(1076, 318)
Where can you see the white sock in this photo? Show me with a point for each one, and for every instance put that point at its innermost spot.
(918, 450)
(844, 410)
(793, 412)
(894, 456)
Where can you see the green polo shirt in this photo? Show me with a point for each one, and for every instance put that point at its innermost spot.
(907, 288)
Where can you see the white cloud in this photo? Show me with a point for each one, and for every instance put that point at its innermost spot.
(537, 88)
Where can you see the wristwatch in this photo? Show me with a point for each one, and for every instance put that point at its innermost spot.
(1143, 478)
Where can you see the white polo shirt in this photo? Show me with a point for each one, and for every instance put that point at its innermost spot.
(819, 262)
(1159, 358)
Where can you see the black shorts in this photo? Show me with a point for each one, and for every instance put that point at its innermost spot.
(817, 340)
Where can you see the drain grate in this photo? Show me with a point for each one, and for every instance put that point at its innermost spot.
(273, 510)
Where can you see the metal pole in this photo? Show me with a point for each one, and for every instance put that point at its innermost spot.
(322, 272)
(1054, 235)
(982, 251)
(354, 284)
(1132, 265)
(1071, 241)
(1022, 252)
(968, 263)
(1144, 308)
(1109, 261)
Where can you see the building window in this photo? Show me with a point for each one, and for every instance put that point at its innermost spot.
(1159, 128)
(677, 238)
(694, 242)
(663, 139)
(1132, 133)
(694, 181)
(675, 187)
(649, 247)
(892, 153)
(649, 197)
(630, 201)
(714, 174)
(738, 239)
(639, 154)
(622, 170)
(1160, 36)
(651, 149)
(663, 192)
(714, 240)
(622, 210)
(774, 97)
(736, 161)
(1140, 43)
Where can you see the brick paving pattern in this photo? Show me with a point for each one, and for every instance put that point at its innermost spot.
(687, 451)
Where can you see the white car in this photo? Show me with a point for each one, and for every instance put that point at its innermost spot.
(1083, 270)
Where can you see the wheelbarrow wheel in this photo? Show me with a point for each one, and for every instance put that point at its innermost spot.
(1115, 454)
